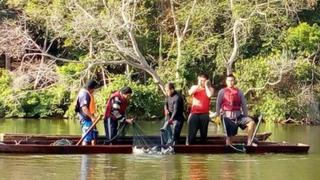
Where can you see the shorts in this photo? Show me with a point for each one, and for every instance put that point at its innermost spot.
(233, 124)
(92, 135)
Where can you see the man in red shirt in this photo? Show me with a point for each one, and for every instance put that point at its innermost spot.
(199, 116)
(232, 104)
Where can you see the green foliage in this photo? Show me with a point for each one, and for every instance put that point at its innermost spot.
(71, 71)
(279, 101)
(146, 99)
(45, 103)
(303, 70)
(257, 71)
(303, 38)
(274, 107)
(24, 103)
(4, 84)
(266, 32)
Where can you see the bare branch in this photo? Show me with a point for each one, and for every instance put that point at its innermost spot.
(188, 19)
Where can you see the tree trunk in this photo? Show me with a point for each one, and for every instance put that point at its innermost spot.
(178, 58)
(8, 61)
(127, 72)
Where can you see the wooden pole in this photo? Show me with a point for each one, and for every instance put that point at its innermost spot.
(256, 130)
(90, 129)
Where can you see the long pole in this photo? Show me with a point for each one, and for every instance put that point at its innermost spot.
(226, 134)
(89, 130)
(256, 130)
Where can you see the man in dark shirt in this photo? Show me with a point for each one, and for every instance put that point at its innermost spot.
(174, 113)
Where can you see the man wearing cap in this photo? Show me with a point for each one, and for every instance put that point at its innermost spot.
(115, 112)
(86, 108)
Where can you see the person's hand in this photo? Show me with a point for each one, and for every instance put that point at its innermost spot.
(129, 121)
(207, 83)
(194, 88)
(166, 112)
(93, 119)
(170, 121)
(199, 82)
(213, 114)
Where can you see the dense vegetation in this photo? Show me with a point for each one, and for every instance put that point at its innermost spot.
(54, 46)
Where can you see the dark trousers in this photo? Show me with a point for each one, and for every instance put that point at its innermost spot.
(170, 135)
(198, 122)
(111, 129)
(177, 127)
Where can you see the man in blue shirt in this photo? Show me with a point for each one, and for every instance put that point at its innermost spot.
(86, 108)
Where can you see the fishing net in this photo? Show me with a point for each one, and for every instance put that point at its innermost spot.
(166, 134)
(142, 145)
(139, 139)
(121, 132)
(62, 142)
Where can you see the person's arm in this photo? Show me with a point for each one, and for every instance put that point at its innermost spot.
(86, 111)
(84, 101)
(166, 109)
(177, 103)
(116, 105)
(193, 89)
(209, 89)
(219, 101)
(243, 104)
(115, 108)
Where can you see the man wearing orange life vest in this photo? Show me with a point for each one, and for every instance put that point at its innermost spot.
(199, 116)
(232, 104)
(86, 108)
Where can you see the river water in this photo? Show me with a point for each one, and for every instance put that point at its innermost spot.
(182, 166)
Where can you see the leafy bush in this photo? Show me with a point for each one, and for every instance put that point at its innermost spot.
(303, 70)
(274, 107)
(146, 100)
(303, 38)
(71, 71)
(26, 103)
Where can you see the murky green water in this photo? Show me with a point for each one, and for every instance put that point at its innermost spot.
(104, 166)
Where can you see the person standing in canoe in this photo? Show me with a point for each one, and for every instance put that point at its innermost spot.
(173, 109)
(86, 108)
(199, 114)
(115, 112)
(232, 104)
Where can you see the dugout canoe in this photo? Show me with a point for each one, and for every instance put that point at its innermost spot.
(263, 147)
(49, 139)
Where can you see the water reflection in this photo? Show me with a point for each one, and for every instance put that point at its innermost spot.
(86, 168)
(198, 168)
(182, 166)
(171, 167)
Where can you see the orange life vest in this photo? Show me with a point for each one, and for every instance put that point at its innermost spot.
(92, 105)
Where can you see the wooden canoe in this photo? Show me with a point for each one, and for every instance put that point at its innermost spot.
(263, 147)
(48, 139)
(26, 143)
